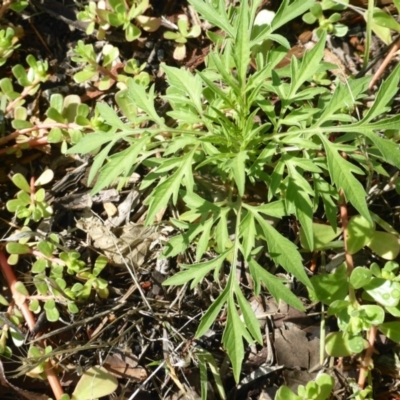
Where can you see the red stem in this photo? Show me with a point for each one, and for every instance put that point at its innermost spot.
(366, 362)
(11, 279)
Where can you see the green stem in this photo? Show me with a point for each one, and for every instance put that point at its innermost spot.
(370, 12)
(235, 257)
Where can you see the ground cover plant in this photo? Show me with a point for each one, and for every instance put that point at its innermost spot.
(203, 195)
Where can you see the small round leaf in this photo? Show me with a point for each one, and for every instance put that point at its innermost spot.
(360, 277)
(385, 245)
(17, 248)
(21, 183)
(336, 345)
(95, 382)
(46, 177)
(359, 233)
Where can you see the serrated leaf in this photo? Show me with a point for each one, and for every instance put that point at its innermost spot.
(297, 195)
(250, 320)
(388, 148)
(119, 164)
(99, 161)
(110, 116)
(242, 43)
(233, 339)
(275, 209)
(178, 244)
(239, 171)
(340, 171)
(196, 272)
(274, 285)
(170, 187)
(361, 126)
(214, 16)
(303, 71)
(187, 83)
(221, 231)
(219, 92)
(287, 12)
(224, 71)
(203, 242)
(248, 234)
(282, 250)
(343, 96)
(140, 98)
(210, 316)
(94, 140)
(386, 92)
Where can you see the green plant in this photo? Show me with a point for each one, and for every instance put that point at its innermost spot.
(68, 119)
(106, 73)
(85, 54)
(39, 354)
(50, 276)
(330, 24)
(320, 389)
(30, 202)
(8, 43)
(383, 23)
(18, 5)
(29, 80)
(226, 127)
(132, 69)
(52, 287)
(302, 154)
(89, 14)
(92, 280)
(181, 37)
(380, 294)
(121, 15)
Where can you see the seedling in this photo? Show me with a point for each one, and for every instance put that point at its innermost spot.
(69, 111)
(29, 80)
(30, 202)
(89, 14)
(92, 70)
(132, 69)
(182, 35)
(8, 43)
(123, 14)
(331, 24)
(93, 281)
(320, 389)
